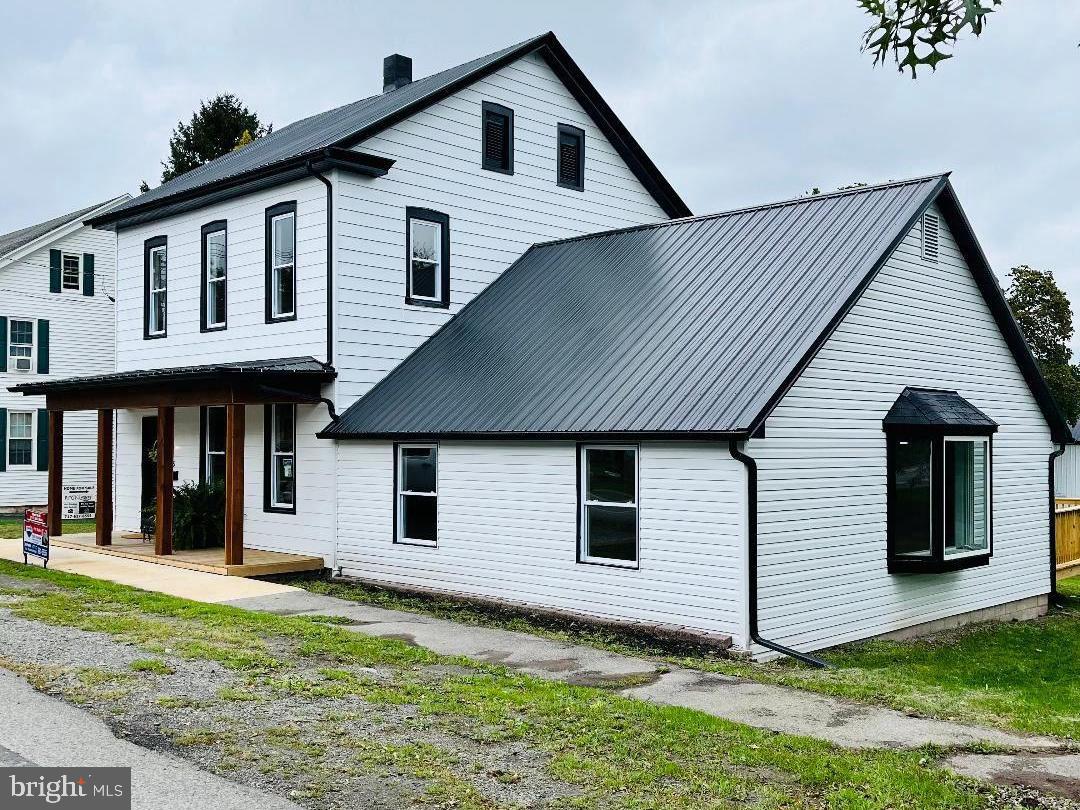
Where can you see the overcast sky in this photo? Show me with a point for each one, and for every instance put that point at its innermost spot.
(738, 102)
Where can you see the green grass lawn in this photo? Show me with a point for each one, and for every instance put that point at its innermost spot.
(12, 527)
(618, 752)
(1017, 675)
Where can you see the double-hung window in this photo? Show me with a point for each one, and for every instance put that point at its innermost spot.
(280, 473)
(214, 275)
(608, 508)
(20, 439)
(71, 271)
(417, 494)
(21, 345)
(281, 262)
(939, 483)
(570, 157)
(156, 285)
(427, 271)
(497, 136)
(214, 445)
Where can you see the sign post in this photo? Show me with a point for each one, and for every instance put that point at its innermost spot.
(35, 536)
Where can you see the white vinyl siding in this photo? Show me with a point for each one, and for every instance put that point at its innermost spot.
(249, 336)
(822, 528)
(1067, 473)
(494, 217)
(508, 529)
(80, 342)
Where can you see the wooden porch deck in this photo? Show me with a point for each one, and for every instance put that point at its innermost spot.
(211, 560)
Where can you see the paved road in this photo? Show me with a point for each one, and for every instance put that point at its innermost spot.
(40, 730)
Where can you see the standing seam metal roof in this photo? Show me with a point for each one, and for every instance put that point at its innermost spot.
(681, 327)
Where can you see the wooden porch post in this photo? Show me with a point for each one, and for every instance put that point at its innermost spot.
(104, 526)
(56, 474)
(234, 484)
(163, 531)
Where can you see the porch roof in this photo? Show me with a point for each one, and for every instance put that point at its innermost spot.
(249, 381)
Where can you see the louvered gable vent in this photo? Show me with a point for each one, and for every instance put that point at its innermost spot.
(930, 233)
(571, 172)
(498, 138)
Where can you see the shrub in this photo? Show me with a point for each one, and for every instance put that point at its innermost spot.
(199, 516)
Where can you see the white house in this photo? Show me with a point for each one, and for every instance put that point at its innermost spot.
(792, 425)
(56, 320)
(1067, 468)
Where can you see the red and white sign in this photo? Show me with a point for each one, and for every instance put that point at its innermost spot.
(36, 535)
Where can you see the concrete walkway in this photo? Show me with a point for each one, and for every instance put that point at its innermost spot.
(47, 732)
(1037, 760)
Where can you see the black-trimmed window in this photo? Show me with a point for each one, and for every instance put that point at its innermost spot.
(281, 262)
(571, 157)
(215, 260)
(498, 138)
(416, 494)
(608, 505)
(427, 250)
(155, 287)
(939, 456)
(279, 468)
(212, 456)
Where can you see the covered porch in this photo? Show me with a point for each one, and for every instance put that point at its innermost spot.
(231, 388)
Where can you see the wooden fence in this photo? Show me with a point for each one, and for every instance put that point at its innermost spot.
(1067, 525)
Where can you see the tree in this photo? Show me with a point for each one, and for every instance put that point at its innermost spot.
(917, 33)
(218, 127)
(1045, 317)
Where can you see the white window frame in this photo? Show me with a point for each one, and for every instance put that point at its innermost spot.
(275, 268)
(9, 438)
(154, 291)
(64, 256)
(400, 492)
(210, 282)
(958, 555)
(413, 222)
(275, 453)
(583, 503)
(11, 358)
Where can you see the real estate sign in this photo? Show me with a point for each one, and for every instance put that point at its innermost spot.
(35, 535)
(79, 502)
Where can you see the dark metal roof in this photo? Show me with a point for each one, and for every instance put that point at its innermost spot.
(931, 407)
(10, 242)
(692, 327)
(290, 367)
(349, 125)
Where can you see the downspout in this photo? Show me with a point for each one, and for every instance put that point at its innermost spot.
(329, 262)
(752, 554)
(1053, 520)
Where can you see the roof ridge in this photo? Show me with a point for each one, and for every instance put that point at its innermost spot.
(746, 209)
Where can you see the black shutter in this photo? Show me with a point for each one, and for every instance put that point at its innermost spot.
(3, 439)
(43, 347)
(3, 344)
(498, 138)
(571, 142)
(54, 271)
(42, 439)
(88, 274)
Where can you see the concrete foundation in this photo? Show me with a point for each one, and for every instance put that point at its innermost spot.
(1019, 611)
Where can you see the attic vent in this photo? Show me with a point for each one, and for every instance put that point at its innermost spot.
(930, 228)
(498, 138)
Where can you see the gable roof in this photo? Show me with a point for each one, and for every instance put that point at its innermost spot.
(622, 333)
(347, 126)
(11, 242)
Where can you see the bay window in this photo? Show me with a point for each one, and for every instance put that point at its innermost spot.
(939, 483)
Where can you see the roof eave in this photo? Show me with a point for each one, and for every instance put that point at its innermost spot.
(59, 232)
(329, 432)
(273, 174)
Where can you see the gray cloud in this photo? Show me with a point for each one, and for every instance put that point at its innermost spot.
(738, 102)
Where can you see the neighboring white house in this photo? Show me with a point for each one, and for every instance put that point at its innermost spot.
(793, 425)
(1067, 468)
(56, 320)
